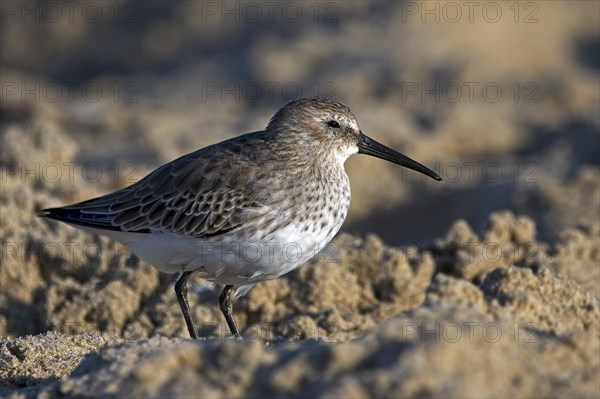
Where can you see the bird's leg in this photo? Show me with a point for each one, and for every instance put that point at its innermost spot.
(181, 292)
(227, 309)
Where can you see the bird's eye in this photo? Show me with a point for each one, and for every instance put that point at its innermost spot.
(333, 124)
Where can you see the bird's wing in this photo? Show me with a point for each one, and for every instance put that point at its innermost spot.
(203, 194)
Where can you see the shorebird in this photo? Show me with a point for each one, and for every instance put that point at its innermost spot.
(245, 210)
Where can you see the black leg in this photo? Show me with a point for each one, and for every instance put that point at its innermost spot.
(181, 292)
(227, 309)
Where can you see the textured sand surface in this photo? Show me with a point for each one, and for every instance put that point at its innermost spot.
(484, 285)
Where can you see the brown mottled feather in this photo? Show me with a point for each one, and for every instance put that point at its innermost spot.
(196, 195)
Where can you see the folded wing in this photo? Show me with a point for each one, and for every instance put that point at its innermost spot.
(203, 194)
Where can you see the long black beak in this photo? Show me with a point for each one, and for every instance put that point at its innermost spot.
(368, 146)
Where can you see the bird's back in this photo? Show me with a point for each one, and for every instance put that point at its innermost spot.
(200, 194)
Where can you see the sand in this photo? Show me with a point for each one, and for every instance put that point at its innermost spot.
(484, 285)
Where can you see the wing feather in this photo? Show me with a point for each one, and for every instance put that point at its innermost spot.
(198, 195)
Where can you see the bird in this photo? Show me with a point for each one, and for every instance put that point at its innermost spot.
(248, 209)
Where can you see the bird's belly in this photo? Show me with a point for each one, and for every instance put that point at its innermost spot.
(239, 259)
(249, 261)
(235, 260)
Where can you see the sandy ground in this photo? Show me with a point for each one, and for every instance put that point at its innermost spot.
(485, 285)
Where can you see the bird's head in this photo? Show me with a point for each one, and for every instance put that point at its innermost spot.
(325, 126)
